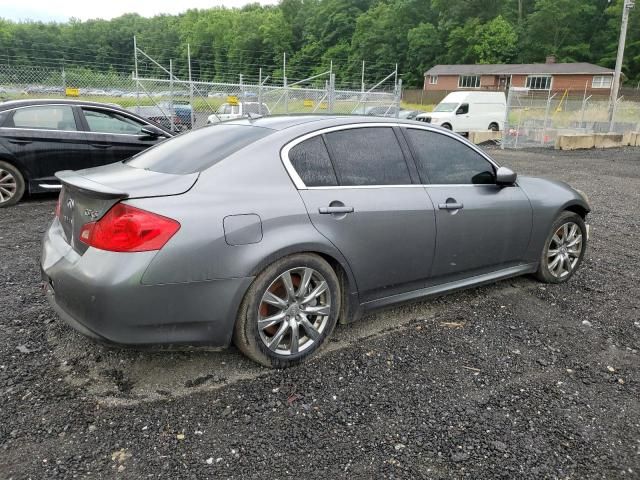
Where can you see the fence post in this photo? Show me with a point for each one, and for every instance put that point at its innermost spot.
(193, 120)
(505, 127)
(241, 89)
(64, 82)
(546, 117)
(332, 88)
(260, 91)
(135, 61)
(398, 97)
(284, 82)
(173, 125)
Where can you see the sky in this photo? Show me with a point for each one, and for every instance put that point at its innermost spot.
(60, 11)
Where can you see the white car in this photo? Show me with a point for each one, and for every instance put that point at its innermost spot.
(228, 111)
(465, 112)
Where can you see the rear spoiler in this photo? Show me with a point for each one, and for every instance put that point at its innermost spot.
(71, 179)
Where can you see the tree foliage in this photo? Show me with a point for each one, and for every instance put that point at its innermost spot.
(415, 34)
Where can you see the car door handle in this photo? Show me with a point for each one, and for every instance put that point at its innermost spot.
(100, 145)
(450, 206)
(331, 210)
(19, 142)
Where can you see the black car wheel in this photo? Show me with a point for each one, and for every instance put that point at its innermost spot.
(564, 249)
(289, 311)
(11, 185)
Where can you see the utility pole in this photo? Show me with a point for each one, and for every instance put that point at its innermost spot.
(626, 8)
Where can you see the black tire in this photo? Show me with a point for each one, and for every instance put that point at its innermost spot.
(13, 187)
(544, 273)
(248, 337)
(447, 126)
(494, 127)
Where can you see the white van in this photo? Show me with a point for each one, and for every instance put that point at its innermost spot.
(465, 112)
(228, 111)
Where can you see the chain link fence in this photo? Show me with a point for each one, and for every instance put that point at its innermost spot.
(156, 92)
(535, 118)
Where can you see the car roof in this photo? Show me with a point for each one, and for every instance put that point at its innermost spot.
(281, 122)
(50, 101)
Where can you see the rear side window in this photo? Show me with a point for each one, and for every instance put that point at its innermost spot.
(197, 150)
(46, 117)
(311, 160)
(444, 160)
(110, 122)
(368, 156)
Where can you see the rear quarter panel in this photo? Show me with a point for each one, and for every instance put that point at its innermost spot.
(251, 182)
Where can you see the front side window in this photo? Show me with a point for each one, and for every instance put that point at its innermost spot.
(368, 156)
(45, 117)
(463, 109)
(538, 82)
(101, 121)
(443, 160)
(602, 81)
(311, 160)
(469, 81)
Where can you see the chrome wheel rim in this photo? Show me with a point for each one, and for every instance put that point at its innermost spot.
(294, 311)
(8, 185)
(564, 250)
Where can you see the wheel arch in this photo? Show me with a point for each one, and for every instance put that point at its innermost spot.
(577, 208)
(350, 298)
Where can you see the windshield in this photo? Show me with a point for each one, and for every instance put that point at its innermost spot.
(445, 107)
(197, 150)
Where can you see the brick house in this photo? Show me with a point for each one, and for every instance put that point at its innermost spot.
(550, 76)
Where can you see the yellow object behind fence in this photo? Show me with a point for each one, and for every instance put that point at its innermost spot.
(72, 92)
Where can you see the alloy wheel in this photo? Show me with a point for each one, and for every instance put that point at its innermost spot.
(564, 250)
(8, 185)
(294, 311)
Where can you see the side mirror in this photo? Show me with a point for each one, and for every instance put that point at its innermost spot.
(151, 131)
(506, 176)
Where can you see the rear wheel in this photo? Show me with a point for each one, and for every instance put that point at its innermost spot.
(289, 311)
(494, 127)
(11, 185)
(447, 126)
(564, 249)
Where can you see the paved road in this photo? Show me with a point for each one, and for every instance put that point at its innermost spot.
(513, 380)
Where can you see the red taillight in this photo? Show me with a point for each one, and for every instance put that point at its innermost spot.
(129, 229)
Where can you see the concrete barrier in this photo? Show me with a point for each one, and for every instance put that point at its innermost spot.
(631, 139)
(484, 136)
(575, 141)
(608, 140)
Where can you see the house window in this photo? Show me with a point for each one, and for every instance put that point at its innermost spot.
(433, 79)
(539, 82)
(602, 81)
(469, 81)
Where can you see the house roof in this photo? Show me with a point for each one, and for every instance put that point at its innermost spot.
(522, 69)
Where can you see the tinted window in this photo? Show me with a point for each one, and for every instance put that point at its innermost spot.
(49, 117)
(197, 150)
(311, 160)
(445, 160)
(368, 156)
(110, 122)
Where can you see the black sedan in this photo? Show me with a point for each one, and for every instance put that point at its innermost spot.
(41, 137)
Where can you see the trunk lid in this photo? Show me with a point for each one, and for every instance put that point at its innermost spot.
(88, 194)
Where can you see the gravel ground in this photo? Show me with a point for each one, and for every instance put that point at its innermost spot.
(513, 380)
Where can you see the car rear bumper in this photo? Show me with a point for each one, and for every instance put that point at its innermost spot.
(100, 294)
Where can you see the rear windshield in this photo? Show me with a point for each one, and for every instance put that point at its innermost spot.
(197, 150)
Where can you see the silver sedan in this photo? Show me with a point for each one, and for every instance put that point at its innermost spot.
(267, 232)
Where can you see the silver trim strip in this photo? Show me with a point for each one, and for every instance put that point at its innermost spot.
(50, 186)
(300, 185)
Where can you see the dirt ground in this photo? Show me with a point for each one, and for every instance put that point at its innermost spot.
(512, 380)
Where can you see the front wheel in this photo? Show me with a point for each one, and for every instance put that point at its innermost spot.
(494, 127)
(289, 311)
(447, 126)
(564, 249)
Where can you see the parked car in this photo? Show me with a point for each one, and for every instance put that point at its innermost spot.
(162, 115)
(40, 137)
(409, 114)
(464, 112)
(268, 231)
(228, 111)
